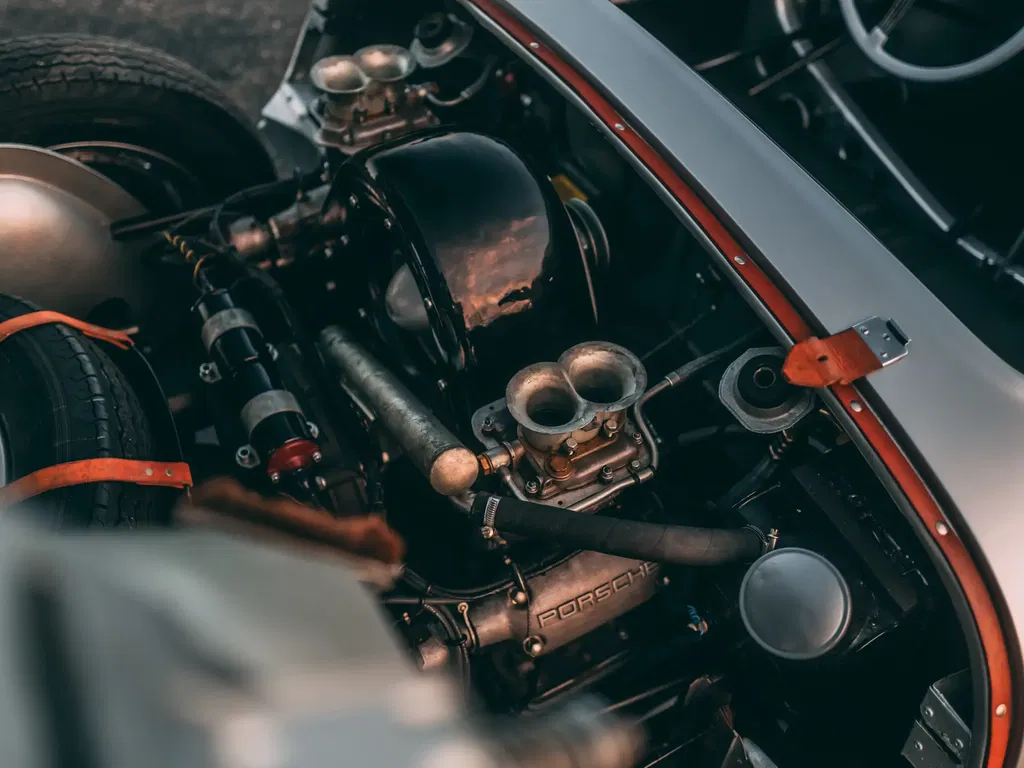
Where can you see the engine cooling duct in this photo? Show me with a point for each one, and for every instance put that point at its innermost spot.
(449, 465)
(479, 269)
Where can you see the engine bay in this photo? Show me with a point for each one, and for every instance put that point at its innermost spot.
(475, 321)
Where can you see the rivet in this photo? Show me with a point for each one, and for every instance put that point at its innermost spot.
(856, 406)
(620, 127)
(919, 746)
(941, 528)
(1001, 710)
(169, 473)
(149, 472)
(928, 712)
(739, 259)
(535, 45)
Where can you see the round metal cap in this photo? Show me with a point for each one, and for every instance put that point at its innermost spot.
(795, 604)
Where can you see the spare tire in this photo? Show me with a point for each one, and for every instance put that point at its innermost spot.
(62, 399)
(159, 128)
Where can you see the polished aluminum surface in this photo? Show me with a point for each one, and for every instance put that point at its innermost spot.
(566, 601)
(590, 387)
(434, 450)
(55, 216)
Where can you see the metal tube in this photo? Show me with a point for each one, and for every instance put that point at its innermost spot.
(437, 453)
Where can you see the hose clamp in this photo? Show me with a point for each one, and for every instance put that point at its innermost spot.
(226, 320)
(266, 404)
(490, 510)
(767, 544)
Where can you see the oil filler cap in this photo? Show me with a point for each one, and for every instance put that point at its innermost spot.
(795, 604)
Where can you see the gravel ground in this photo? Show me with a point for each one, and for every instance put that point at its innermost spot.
(244, 45)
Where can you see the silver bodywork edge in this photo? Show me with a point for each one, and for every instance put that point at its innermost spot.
(952, 400)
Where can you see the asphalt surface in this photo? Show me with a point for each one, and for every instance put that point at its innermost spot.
(243, 45)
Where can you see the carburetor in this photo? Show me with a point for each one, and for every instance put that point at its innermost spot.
(563, 434)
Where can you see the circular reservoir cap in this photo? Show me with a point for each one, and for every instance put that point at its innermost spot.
(795, 604)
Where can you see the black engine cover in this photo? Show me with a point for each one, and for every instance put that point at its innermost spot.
(483, 272)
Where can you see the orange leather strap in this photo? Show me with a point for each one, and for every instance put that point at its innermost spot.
(45, 317)
(839, 359)
(171, 475)
(158, 473)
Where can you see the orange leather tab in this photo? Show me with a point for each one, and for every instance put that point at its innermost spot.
(158, 473)
(839, 359)
(45, 317)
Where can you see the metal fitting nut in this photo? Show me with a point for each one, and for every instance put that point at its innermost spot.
(570, 445)
(532, 487)
(606, 474)
(208, 373)
(246, 457)
(533, 645)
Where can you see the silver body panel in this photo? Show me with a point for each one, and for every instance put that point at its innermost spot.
(952, 401)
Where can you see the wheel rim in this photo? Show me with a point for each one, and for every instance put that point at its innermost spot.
(161, 184)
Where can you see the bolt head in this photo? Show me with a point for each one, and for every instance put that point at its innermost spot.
(275, 477)
(560, 467)
(533, 646)
(570, 445)
(532, 486)
(314, 430)
(637, 438)
(387, 224)
(317, 457)
(353, 201)
(606, 473)
(246, 457)
(208, 373)
(634, 465)
(320, 483)
(610, 427)
(442, 385)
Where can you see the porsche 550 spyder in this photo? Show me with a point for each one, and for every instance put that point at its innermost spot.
(672, 351)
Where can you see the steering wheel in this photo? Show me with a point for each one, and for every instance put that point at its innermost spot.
(873, 44)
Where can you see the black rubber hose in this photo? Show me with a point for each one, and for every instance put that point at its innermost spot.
(675, 544)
